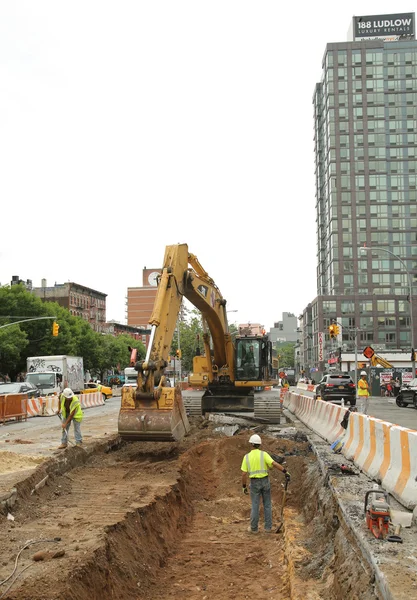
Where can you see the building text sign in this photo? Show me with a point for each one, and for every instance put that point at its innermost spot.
(321, 344)
(389, 28)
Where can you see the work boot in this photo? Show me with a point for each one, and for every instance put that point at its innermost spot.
(79, 444)
(250, 530)
(62, 446)
(268, 531)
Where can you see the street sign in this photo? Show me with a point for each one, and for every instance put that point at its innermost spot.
(282, 374)
(368, 352)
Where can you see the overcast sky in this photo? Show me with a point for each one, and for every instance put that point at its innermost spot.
(131, 125)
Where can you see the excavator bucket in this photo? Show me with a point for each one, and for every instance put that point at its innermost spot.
(147, 419)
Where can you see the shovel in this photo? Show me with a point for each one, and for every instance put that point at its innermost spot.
(284, 496)
(65, 432)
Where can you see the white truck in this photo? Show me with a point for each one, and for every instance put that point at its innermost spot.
(53, 373)
(131, 377)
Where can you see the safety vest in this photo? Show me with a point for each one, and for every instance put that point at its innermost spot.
(99, 386)
(255, 463)
(363, 388)
(75, 405)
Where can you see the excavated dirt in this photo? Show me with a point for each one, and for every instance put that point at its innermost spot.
(169, 521)
(10, 461)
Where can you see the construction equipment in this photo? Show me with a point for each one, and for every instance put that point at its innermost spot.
(226, 373)
(377, 513)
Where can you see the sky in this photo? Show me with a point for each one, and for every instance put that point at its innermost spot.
(132, 125)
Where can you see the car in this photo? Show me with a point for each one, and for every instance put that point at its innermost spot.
(336, 386)
(20, 387)
(91, 387)
(408, 394)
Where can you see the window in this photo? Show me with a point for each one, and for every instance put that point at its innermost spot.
(386, 306)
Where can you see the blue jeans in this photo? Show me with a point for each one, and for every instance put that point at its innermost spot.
(260, 487)
(77, 432)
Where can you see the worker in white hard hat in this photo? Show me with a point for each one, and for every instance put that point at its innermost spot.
(70, 411)
(363, 393)
(99, 386)
(255, 465)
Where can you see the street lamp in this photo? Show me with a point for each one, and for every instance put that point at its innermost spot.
(410, 298)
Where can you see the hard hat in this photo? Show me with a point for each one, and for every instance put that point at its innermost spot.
(255, 439)
(363, 372)
(68, 393)
(98, 381)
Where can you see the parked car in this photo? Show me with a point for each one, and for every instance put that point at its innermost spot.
(334, 387)
(89, 388)
(23, 387)
(408, 394)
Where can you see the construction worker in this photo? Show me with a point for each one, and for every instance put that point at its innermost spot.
(99, 386)
(363, 393)
(255, 464)
(70, 410)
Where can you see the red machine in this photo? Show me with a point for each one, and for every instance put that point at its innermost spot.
(377, 513)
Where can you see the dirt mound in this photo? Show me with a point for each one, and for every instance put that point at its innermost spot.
(9, 461)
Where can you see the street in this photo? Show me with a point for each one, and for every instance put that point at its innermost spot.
(387, 410)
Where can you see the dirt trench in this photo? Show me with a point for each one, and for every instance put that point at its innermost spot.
(170, 521)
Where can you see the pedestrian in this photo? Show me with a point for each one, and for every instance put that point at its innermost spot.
(363, 393)
(70, 411)
(255, 465)
(397, 386)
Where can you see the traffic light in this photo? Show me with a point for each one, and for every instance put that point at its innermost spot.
(55, 329)
(334, 330)
(178, 353)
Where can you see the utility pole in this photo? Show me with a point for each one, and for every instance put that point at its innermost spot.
(179, 348)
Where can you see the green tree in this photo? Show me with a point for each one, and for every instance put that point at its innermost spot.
(13, 343)
(191, 336)
(34, 338)
(286, 351)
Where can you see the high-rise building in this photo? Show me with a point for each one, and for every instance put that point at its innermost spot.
(365, 136)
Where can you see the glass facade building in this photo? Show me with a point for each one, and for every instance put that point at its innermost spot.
(365, 140)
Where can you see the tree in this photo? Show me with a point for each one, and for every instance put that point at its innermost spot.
(191, 336)
(34, 338)
(286, 352)
(13, 342)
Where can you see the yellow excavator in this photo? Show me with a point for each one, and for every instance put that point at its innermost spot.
(226, 375)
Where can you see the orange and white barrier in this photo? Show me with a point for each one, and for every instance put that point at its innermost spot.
(90, 400)
(34, 407)
(50, 405)
(385, 452)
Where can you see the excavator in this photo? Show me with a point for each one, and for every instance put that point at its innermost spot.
(225, 375)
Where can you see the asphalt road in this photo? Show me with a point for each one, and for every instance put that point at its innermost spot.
(41, 436)
(386, 409)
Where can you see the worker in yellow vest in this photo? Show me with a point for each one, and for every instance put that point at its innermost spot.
(99, 386)
(363, 393)
(70, 411)
(256, 465)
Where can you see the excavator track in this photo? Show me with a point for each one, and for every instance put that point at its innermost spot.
(193, 404)
(267, 405)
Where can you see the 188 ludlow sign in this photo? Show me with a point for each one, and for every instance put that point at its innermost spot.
(385, 27)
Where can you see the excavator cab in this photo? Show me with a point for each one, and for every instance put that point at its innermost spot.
(253, 358)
